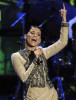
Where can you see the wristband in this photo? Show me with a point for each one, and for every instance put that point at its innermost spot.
(64, 24)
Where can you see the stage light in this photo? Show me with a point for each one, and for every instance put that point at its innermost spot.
(72, 2)
(4, 3)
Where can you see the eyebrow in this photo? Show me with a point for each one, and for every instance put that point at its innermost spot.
(34, 31)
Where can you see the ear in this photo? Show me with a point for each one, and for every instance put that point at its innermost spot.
(25, 36)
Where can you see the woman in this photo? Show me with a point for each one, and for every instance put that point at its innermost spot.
(31, 66)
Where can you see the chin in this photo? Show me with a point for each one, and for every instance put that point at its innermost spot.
(32, 45)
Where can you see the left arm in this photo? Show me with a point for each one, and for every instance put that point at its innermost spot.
(59, 45)
(62, 42)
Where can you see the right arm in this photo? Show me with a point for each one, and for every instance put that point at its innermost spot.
(18, 65)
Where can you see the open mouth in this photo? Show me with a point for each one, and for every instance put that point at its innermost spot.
(34, 40)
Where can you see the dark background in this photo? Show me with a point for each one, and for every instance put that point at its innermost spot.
(15, 18)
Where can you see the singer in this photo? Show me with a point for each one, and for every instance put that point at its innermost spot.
(30, 64)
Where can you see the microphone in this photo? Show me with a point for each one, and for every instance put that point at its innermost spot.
(39, 60)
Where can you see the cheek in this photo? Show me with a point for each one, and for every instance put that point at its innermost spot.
(28, 37)
(39, 40)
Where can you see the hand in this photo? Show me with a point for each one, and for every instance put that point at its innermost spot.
(38, 53)
(63, 13)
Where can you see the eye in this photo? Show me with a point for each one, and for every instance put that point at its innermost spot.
(32, 32)
(38, 34)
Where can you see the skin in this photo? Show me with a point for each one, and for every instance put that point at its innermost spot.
(35, 34)
(63, 13)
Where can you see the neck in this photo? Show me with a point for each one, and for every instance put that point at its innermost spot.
(30, 48)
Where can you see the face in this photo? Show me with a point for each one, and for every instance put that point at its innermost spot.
(33, 37)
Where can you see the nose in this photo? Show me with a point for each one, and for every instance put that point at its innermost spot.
(35, 34)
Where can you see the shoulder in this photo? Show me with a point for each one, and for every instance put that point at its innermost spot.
(15, 55)
(16, 58)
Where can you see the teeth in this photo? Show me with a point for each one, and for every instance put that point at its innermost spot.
(34, 40)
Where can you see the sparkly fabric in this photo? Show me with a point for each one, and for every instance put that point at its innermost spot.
(36, 78)
(25, 70)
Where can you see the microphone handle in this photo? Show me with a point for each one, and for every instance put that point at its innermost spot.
(40, 60)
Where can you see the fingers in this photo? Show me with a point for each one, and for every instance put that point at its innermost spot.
(63, 13)
(64, 6)
(38, 53)
(63, 10)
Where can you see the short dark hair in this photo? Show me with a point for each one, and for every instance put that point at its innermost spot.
(32, 27)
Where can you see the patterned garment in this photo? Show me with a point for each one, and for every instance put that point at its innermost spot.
(41, 87)
(36, 78)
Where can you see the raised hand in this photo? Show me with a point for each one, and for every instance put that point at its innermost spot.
(63, 13)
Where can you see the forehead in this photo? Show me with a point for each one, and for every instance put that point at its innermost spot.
(35, 29)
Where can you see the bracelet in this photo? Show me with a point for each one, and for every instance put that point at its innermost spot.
(64, 24)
